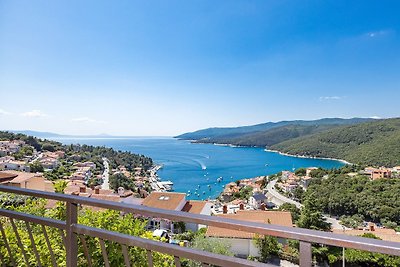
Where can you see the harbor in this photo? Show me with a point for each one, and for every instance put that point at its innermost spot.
(156, 183)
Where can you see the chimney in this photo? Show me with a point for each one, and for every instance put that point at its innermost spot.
(225, 209)
(241, 206)
(121, 191)
(82, 189)
(372, 227)
(262, 207)
(97, 190)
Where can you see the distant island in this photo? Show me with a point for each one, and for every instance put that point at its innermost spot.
(363, 141)
(40, 134)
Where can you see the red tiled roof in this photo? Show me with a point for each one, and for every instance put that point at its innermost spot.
(193, 206)
(283, 218)
(384, 234)
(162, 200)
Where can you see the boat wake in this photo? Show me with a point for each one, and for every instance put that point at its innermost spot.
(202, 165)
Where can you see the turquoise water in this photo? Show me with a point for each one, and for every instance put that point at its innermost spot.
(195, 166)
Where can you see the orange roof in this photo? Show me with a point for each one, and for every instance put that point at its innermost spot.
(114, 198)
(163, 200)
(382, 233)
(71, 188)
(283, 218)
(193, 206)
(7, 175)
(22, 176)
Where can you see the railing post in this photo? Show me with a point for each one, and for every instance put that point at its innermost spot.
(71, 237)
(305, 254)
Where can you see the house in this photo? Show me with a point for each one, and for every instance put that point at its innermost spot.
(309, 170)
(286, 175)
(241, 242)
(88, 164)
(166, 201)
(396, 169)
(289, 185)
(177, 202)
(9, 163)
(256, 200)
(378, 173)
(26, 180)
(49, 162)
(197, 207)
(3, 152)
(77, 188)
(305, 181)
(82, 173)
(6, 177)
(382, 233)
(10, 147)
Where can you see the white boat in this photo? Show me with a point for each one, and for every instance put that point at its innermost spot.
(168, 185)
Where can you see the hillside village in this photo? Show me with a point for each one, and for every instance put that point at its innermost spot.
(252, 199)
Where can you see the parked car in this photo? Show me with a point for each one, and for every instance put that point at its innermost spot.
(161, 234)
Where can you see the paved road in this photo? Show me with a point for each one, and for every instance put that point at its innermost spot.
(106, 174)
(271, 189)
(282, 199)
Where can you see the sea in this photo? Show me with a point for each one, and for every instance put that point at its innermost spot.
(204, 168)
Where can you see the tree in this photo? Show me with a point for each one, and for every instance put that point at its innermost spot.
(318, 173)
(60, 185)
(108, 220)
(311, 218)
(364, 258)
(351, 221)
(120, 180)
(268, 246)
(211, 245)
(294, 211)
(300, 172)
(340, 195)
(298, 193)
(48, 147)
(36, 167)
(389, 224)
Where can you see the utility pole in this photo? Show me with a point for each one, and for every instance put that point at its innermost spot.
(343, 255)
(344, 261)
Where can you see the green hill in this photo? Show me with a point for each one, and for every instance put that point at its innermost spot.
(269, 137)
(227, 133)
(372, 143)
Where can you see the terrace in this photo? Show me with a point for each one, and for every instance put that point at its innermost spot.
(71, 231)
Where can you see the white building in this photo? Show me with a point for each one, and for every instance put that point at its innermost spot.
(9, 163)
(256, 200)
(177, 202)
(242, 243)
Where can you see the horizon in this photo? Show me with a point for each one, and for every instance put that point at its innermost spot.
(163, 69)
(106, 135)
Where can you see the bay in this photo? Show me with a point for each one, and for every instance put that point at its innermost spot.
(198, 166)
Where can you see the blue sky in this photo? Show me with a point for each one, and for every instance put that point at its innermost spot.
(167, 67)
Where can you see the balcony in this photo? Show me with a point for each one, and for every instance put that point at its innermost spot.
(70, 232)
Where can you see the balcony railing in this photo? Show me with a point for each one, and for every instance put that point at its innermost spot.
(71, 231)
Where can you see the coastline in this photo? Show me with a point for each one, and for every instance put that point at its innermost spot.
(306, 157)
(274, 151)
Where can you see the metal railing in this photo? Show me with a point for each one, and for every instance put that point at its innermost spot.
(73, 231)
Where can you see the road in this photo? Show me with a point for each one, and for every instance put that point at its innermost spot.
(106, 174)
(271, 189)
(280, 199)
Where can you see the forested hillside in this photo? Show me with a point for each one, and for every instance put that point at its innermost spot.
(271, 136)
(210, 134)
(343, 195)
(84, 152)
(372, 143)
